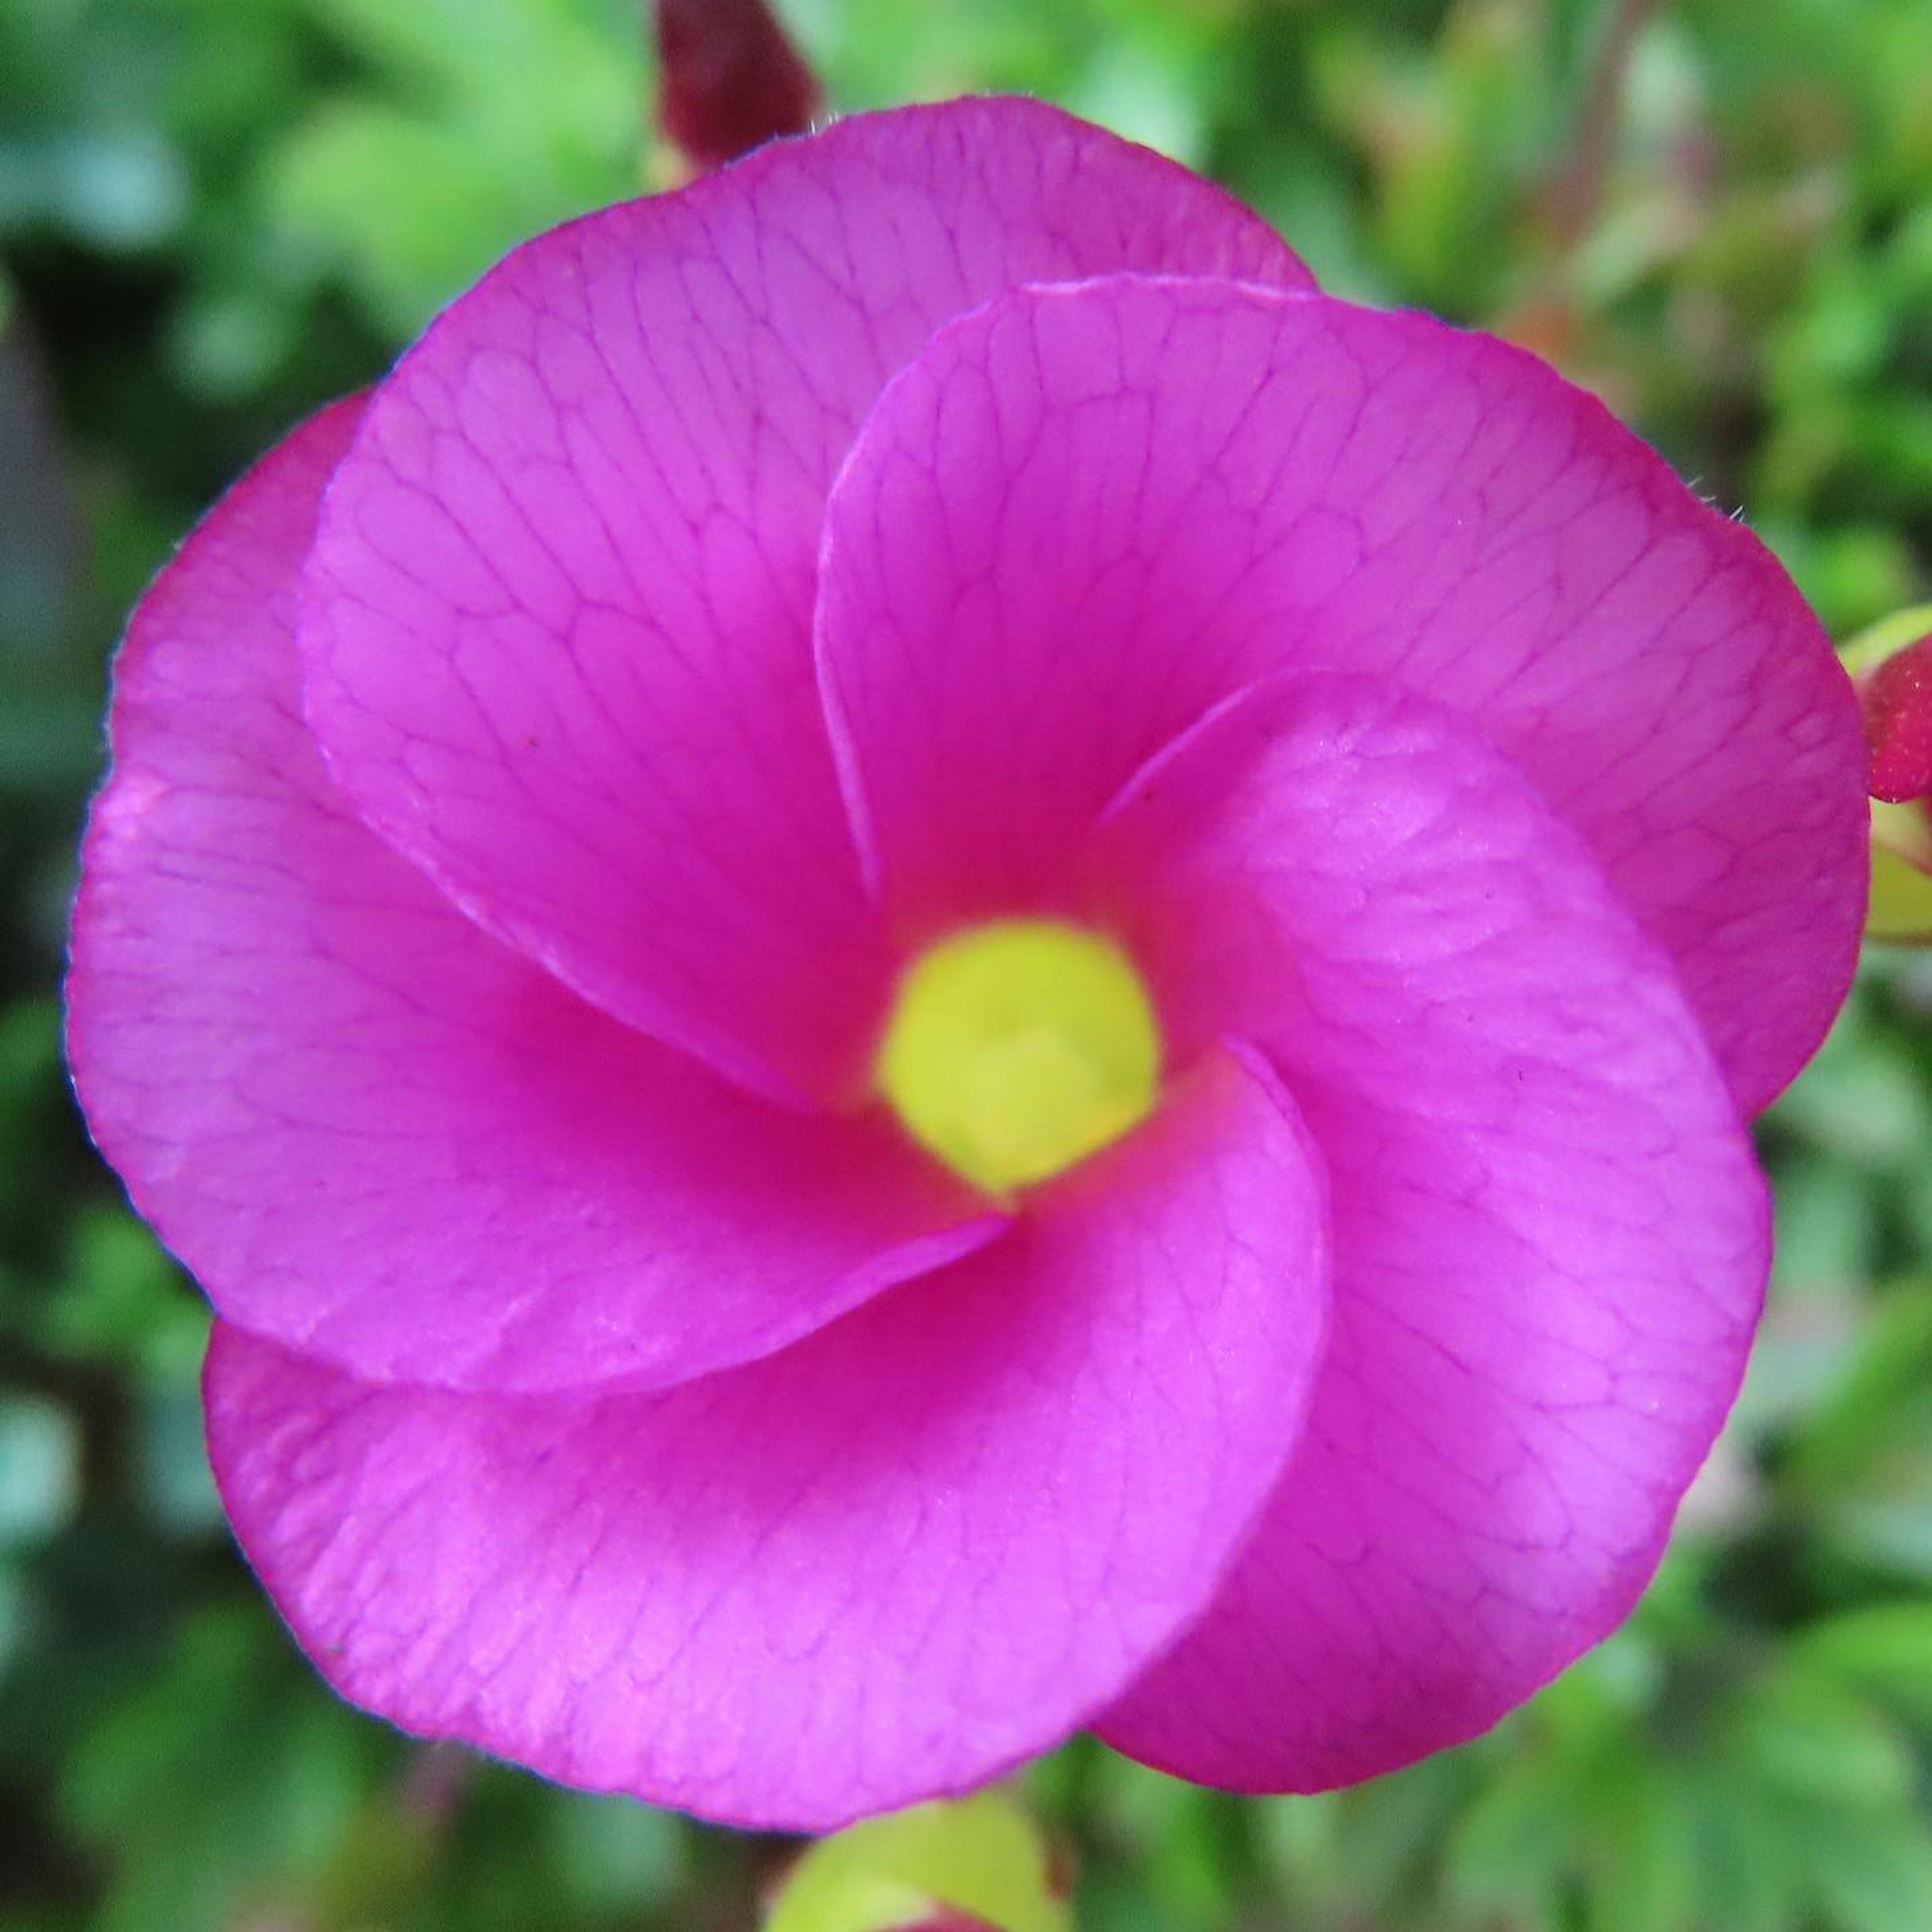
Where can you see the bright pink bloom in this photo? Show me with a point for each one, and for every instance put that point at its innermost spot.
(528, 780)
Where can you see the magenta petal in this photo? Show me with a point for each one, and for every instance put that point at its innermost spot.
(557, 627)
(1086, 513)
(887, 1562)
(370, 1130)
(1550, 1238)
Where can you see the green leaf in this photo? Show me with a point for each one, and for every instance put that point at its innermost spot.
(1509, 1853)
(415, 214)
(1879, 1401)
(1749, 1878)
(1801, 1735)
(121, 1300)
(476, 128)
(1877, 642)
(614, 1853)
(40, 1466)
(980, 1855)
(1642, 1872)
(1900, 912)
(1873, 1874)
(230, 1771)
(1883, 1649)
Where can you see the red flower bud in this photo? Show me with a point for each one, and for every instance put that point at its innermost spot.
(1896, 700)
(727, 79)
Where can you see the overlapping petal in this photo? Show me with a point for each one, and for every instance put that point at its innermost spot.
(557, 625)
(1550, 1236)
(372, 1131)
(888, 1562)
(1086, 513)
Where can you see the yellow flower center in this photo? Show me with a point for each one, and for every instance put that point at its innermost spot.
(1019, 1047)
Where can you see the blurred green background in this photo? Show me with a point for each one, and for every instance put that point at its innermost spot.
(214, 214)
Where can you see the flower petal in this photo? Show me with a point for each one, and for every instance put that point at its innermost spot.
(1085, 514)
(1550, 1236)
(557, 630)
(369, 1129)
(887, 1563)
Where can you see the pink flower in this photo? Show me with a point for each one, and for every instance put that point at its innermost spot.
(541, 786)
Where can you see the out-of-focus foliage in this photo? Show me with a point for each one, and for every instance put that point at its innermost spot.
(214, 214)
